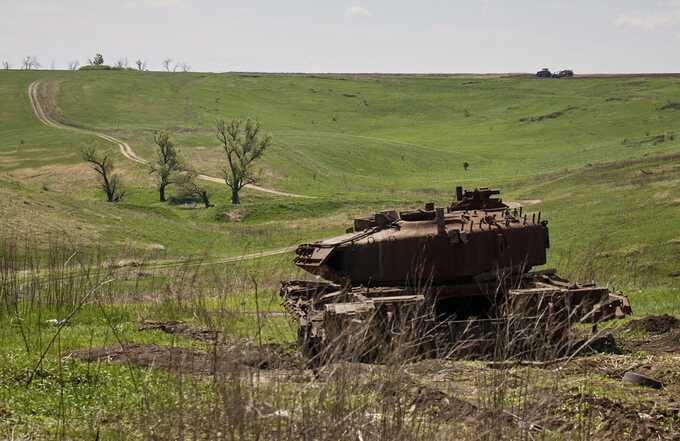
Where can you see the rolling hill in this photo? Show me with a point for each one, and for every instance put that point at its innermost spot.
(601, 156)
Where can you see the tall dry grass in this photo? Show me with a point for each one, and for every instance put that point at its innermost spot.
(340, 399)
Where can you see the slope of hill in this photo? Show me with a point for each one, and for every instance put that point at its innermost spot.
(599, 153)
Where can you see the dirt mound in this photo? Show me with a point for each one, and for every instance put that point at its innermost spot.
(658, 344)
(174, 359)
(440, 404)
(654, 324)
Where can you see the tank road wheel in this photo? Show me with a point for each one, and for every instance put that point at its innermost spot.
(308, 345)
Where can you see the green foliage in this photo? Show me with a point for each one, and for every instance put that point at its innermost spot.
(168, 167)
(96, 67)
(242, 144)
(98, 60)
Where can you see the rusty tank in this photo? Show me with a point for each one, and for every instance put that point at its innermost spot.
(451, 279)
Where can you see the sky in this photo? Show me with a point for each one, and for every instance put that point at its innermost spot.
(423, 36)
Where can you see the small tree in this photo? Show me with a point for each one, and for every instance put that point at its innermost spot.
(31, 62)
(98, 60)
(196, 190)
(73, 65)
(103, 165)
(166, 64)
(242, 145)
(168, 166)
(6, 65)
(141, 64)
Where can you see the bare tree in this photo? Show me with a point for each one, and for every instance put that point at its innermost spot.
(103, 165)
(184, 67)
(6, 65)
(73, 65)
(31, 62)
(141, 64)
(166, 64)
(122, 63)
(168, 166)
(242, 144)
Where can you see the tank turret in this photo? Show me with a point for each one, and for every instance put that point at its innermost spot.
(475, 235)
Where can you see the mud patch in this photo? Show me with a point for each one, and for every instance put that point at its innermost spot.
(654, 324)
(179, 328)
(222, 358)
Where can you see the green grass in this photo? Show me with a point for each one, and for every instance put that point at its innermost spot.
(360, 144)
(393, 133)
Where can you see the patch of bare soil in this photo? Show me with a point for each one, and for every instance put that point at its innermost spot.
(642, 421)
(654, 324)
(174, 359)
(179, 328)
(193, 361)
(222, 355)
(666, 343)
(437, 402)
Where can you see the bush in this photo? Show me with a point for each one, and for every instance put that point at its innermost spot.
(96, 67)
(105, 67)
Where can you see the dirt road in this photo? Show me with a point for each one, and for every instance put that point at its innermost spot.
(124, 147)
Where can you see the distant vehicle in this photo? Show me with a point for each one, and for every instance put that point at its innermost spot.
(566, 73)
(544, 73)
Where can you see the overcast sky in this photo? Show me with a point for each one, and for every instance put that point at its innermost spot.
(605, 36)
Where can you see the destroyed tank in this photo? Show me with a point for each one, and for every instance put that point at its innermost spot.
(451, 279)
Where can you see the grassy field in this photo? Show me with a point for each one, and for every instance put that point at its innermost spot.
(366, 135)
(599, 157)
(359, 144)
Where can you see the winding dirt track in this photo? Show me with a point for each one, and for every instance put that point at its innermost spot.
(124, 147)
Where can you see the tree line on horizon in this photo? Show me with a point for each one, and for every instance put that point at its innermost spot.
(31, 62)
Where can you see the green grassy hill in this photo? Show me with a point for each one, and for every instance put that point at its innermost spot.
(599, 157)
(602, 154)
(366, 134)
